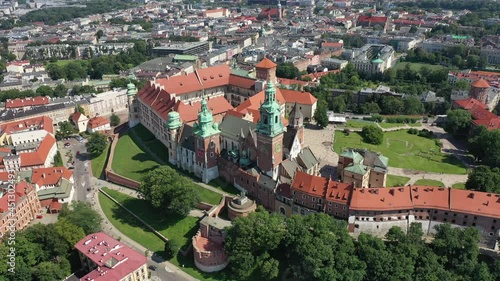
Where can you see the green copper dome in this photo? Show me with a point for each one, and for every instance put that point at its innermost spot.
(377, 60)
(174, 120)
(131, 90)
(270, 113)
(205, 126)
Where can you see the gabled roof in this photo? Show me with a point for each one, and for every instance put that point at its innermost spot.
(292, 96)
(78, 116)
(232, 126)
(38, 157)
(372, 19)
(306, 158)
(37, 123)
(189, 112)
(430, 197)
(309, 184)
(97, 122)
(490, 124)
(21, 189)
(241, 82)
(35, 101)
(381, 199)
(266, 63)
(481, 83)
(469, 103)
(50, 176)
(358, 169)
(475, 202)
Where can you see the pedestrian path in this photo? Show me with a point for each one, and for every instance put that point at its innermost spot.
(447, 179)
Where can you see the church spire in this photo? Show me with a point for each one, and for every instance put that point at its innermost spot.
(270, 113)
(205, 126)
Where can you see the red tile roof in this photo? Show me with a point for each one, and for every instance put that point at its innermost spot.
(474, 202)
(38, 123)
(480, 84)
(17, 103)
(97, 122)
(114, 259)
(381, 199)
(252, 105)
(309, 184)
(332, 45)
(50, 176)
(299, 97)
(242, 82)
(430, 197)
(38, 157)
(189, 112)
(77, 116)
(21, 189)
(266, 63)
(372, 19)
(469, 103)
(490, 124)
(203, 78)
(285, 81)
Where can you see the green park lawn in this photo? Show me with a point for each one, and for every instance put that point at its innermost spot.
(130, 160)
(386, 125)
(174, 228)
(99, 162)
(459, 185)
(417, 66)
(429, 182)
(405, 151)
(393, 180)
(353, 123)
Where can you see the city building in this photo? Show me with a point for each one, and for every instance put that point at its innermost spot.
(366, 170)
(27, 205)
(480, 114)
(105, 258)
(80, 121)
(107, 103)
(98, 124)
(27, 156)
(217, 13)
(26, 103)
(373, 58)
(25, 131)
(374, 22)
(192, 48)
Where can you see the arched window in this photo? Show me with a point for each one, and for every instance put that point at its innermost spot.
(282, 211)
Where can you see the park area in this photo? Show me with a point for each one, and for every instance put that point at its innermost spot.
(404, 151)
(174, 228)
(417, 66)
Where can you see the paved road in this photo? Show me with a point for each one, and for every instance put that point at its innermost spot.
(81, 165)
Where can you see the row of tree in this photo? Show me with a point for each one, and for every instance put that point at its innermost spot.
(459, 56)
(46, 252)
(266, 246)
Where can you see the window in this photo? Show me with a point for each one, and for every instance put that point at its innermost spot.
(329, 209)
(445, 213)
(211, 154)
(336, 206)
(314, 199)
(303, 196)
(212, 144)
(329, 203)
(313, 206)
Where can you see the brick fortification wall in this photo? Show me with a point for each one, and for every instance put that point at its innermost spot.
(114, 177)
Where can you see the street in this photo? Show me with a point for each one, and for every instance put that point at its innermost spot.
(81, 171)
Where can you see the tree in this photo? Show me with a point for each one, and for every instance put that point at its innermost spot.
(458, 122)
(119, 83)
(485, 146)
(339, 104)
(391, 105)
(69, 232)
(331, 258)
(167, 190)
(321, 114)
(99, 34)
(48, 271)
(80, 109)
(114, 120)
(287, 70)
(55, 71)
(412, 106)
(60, 91)
(473, 61)
(82, 215)
(413, 29)
(484, 179)
(172, 247)
(65, 129)
(96, 144)
(372, 134)
(253, 243)
(370, 107)
(45, 91)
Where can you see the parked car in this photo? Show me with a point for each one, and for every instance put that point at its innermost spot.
(39, 216)
(78, 153)
(67, 144)
(152, 267)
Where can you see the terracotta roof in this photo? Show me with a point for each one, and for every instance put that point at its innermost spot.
(479, 113)
(38, 157)
(475, 202)
(37, 123)
(480, 84)
(338, 192)
(372, 19)
(309, 184)
(490, 124)
(332, 45)
(118, 262)
(77, 116)
(266, 63)
(50, 176)
(19, 63)
(17, 103)
(22, 188)
(469, 103)
(285, 81)
(381, 199)
(97, 122)
(203, 78)
(189, 112)
(252, 105)
(299, 97)
(242, 82)
(430, 197)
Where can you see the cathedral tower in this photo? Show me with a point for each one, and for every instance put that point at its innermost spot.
(173, 128)
(207, 144)
(133, 105)
(270, 133)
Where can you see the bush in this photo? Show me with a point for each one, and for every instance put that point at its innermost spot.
(374, 118)
(412, 131)
(372, 135)
(172, 247)
(114, 120)
(426, 134)
(58, 160)
(401, 120)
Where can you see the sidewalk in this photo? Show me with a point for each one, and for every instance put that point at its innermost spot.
(115, 233)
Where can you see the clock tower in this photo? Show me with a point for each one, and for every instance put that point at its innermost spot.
(270, 133)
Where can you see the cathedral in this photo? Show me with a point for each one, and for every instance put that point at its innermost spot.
(253, 146)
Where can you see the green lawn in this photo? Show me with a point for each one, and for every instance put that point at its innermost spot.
(385, 125)
(62, 62)
(99, 162)
(459, 185)
(405, 151)
(131, 161)
(417, 66)
(224, 186)
(358, 123)
(149, 140)
(393, 180)
(429, 182)
(180, 229)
